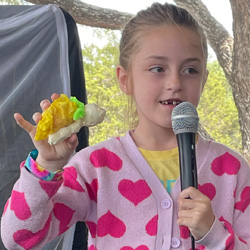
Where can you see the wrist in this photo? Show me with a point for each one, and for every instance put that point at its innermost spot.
(35, 168)
(50, 165)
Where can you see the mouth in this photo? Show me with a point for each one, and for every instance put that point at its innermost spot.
(171, 102)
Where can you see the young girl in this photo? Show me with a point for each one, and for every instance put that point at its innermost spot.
(127, 189)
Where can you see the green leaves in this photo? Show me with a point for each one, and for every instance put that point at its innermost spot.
(14, 2)
(217, 110)
(102, 86)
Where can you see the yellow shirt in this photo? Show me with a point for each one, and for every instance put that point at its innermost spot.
(165, 164)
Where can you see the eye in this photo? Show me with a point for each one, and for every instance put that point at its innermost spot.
(156, 69)
(190, 71)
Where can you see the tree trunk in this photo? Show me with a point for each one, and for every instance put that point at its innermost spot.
(218, 37)
(241, 68)
(233, 55)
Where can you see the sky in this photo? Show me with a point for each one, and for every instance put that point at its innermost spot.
(220, 9)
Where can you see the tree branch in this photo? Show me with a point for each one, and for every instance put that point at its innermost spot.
(218, 37)
(90, 15)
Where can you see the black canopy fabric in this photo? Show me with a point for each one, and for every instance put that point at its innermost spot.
(40, 54)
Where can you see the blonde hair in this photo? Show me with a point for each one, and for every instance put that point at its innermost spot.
(154, 16)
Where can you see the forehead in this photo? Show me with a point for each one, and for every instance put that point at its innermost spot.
(171, 41)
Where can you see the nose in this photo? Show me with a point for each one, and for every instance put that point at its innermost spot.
(173, 81)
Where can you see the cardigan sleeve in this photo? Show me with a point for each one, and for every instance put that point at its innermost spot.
(38, 210)
(235, 235)
(221, 236)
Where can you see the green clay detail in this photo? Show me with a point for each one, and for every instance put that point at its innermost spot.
(80, 112)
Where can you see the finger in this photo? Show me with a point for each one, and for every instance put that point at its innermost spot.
(187, 221)
(199, 224)
(37, 117)
(72, 141)
(190, 212)
(191, 193)
(44, 104)
(186, 204)
(23, 123)
(54, 96)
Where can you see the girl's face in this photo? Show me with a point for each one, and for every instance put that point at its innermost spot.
(169, 68)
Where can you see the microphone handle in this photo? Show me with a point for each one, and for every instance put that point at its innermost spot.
(187, 160)
(187, 163)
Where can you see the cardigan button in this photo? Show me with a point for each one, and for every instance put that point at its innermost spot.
(166, 203)
(175, 242)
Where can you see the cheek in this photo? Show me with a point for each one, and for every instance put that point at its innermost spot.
(194, 94)
(196, 98)
(143, 91)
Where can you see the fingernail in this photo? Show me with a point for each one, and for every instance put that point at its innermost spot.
(44, 102)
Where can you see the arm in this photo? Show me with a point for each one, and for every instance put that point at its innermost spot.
(228, 231)
(38, 210)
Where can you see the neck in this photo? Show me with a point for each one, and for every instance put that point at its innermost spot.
(162, 139)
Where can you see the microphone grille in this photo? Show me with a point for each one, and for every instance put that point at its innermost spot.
(185, 118)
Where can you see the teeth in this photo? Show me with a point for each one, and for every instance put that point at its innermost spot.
(173, 102)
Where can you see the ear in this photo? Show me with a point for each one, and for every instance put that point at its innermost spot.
(123, 78)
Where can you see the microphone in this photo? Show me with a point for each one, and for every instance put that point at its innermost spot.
(185, 123)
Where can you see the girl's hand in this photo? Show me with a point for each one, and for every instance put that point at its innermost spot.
(50, 157)
(195, 212)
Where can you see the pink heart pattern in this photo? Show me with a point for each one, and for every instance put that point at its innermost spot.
(50, 187)
(225, 164)
(208, 189)
(243, 241)
(142, 247)
(92, 228)
(22, 164)
(27, 239)
(151, 227)
(19, 205)
(6, 206)
(70, 179)
(92, 189)
(92, 247)
(244, 202)
(110, 224)
(64, 214)
(105, 158)
(184, 232)
(135, 192)
(230, 242)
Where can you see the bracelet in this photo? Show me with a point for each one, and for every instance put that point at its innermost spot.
(40, 172)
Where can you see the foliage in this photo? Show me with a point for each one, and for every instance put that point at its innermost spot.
(217, 110)
(102, 86)
(14, 2)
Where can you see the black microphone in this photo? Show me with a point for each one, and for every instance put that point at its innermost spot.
(185, 123)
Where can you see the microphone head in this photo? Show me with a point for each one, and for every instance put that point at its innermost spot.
(185, 118)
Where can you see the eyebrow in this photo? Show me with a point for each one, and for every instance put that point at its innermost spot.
(192, 59)
(164, 58)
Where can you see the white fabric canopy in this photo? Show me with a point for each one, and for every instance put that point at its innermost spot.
(33, 65)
